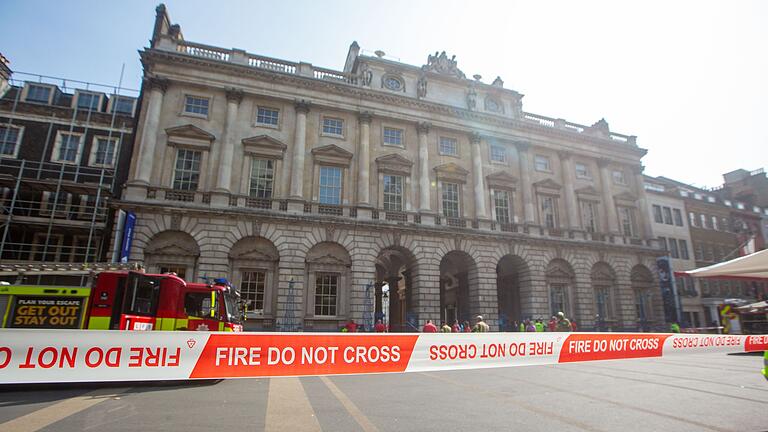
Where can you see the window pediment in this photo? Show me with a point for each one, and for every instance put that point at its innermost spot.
(331, 260)
(548, 185)
(501, 180)
(189, 136)
(588, 192)
(625, 198)
(394, 164)
(332, 155)
(265, 146)
(172, 249)
(451, 172)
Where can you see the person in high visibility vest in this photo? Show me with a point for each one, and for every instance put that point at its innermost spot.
(674, 327)
(765, 365)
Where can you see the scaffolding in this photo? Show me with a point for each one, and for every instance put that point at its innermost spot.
(54, 210)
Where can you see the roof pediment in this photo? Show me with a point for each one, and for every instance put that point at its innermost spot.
(332, 154)
(264, 145)
(548, 184)
(190, 131)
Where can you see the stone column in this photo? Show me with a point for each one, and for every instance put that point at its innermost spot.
(571, 205)
(424, 187)
(299, 149)
(364, 158)
(642, 203)
(477, 170)
(526, 189)
(610, 206)
(224, 178)
(148, 142)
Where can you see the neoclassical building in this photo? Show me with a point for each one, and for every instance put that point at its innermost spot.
(312, 189)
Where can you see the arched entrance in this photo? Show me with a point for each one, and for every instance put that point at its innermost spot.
(457, 270)
(642, 287)
(173, 252)
(510, 274)
(392, 304)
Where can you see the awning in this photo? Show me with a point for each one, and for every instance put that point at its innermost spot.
(751, 266)
(759, 307)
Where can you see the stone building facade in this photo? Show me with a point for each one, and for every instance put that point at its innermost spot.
(312, 189)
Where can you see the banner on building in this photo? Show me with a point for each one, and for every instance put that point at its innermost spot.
(128, 226)
(117, 246)
(43, 356)
(668, 291)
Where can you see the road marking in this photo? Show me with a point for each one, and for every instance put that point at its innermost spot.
(288, 408)
(351, 408)
(43, 417)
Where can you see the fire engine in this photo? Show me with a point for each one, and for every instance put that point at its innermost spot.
(120, 299)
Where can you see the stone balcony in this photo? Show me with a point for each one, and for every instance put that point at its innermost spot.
(286, 207)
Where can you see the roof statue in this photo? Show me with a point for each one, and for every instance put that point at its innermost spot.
(440, 63)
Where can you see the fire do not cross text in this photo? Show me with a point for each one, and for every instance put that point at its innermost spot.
(255, 355)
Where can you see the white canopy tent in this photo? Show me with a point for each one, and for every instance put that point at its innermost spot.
(753, 266)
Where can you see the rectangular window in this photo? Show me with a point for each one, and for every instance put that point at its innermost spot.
(196, 105)
(326, 292)
(451, 200)
(38, 93)
(69, 147)
(602, 300)
(709, 253)
(333, 126)
(393, 193)
(724, 224)
(88, 101)
(714, 223)
(692, 219)
(267, 116)
(698, 252)
(541, 163)
(197, 304)
(104, 153)
(664, 244)
(501, 202)
(582, 171)
(589, 216)
(702, 220)
(627, 221)
(618, 177)
(668, 216)
(122, 105)
(643, 305)
(262, 178)
(559, 298)
(657, 217)
(678, 217)
(9, 139)
(252, 290)
(548, 211)
(684, 249)
(187, 173)
(498, 153)
(393, 137)
(330, 185)
(449, 146)
(673, 251)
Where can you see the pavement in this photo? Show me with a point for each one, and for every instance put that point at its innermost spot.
(702, 392)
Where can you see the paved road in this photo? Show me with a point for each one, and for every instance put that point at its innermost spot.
(712, 392)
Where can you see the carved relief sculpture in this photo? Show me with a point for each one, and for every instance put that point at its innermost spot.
(421, 87)
(471, 99)
(440, 63)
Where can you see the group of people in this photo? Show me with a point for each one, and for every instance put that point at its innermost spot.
(558, 323)
(480, 327)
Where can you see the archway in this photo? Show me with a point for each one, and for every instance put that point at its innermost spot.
(253, 271)
(172, 252)
(642, 286)
(560, 278)
(603, 283)
(392, 303)
(457, 271)
(510, 273)
(329, 283)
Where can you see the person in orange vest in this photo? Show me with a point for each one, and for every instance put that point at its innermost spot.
(429, 327)
(351, 326)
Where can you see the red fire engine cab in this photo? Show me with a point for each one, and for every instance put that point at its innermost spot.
(139, 301)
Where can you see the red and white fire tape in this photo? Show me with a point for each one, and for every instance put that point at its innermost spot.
(44, 356)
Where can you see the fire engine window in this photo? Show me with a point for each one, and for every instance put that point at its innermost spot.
(197, 304)
(142, 295)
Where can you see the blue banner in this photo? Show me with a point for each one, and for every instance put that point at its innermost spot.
(125, 250)
(668, 289)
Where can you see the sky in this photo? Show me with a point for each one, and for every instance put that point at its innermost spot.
(688, 78)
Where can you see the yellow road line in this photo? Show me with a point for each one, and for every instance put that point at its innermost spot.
(288, 408)
(44, 417)
(351, 408)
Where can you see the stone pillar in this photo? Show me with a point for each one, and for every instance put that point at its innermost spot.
(299, 149)
(148, 141)
(642, 203)
(477, 170)
(610, 206)
(571, 205)
(224, 178)
(364, 158)
(526, 189)
(424, 186)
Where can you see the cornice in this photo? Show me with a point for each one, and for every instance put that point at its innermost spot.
(148, 56)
